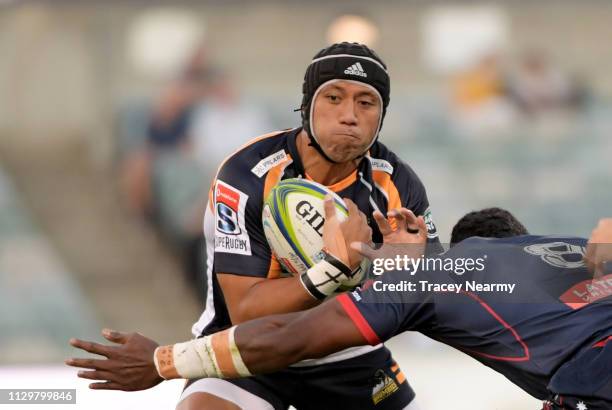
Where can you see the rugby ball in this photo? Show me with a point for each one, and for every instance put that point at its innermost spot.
(293, 217)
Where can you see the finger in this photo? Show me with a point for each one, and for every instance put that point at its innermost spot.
(400, 219)
(414, 224)
(356, 212)
(330, 209)
(106, 386)
(364, 219)
(589, 256)
(417, 222)
(364, 250)
(353, 209)
(349, 203)
(411, 219)
(115, 336)
(91, 347)
(333, 238)
(422, 226)
(87, 363)
(382, 222)
(95, 375)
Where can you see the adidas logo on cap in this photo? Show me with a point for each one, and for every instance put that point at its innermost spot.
(356, 69)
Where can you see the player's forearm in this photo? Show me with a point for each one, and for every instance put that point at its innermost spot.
(258, 346)
(263, 345)
(285, 295)
(270, 343)
(270, 297)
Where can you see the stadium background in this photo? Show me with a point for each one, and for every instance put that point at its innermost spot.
(113, 117)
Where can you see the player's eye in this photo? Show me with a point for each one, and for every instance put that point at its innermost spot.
(333, 98)
(366, 103)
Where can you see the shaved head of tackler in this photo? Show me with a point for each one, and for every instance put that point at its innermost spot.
(344, 61)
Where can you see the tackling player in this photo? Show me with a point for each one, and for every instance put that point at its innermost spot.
(345, 97)
(553, 338)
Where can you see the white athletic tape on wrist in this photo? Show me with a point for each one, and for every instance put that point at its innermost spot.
(323, 278)
(216, 355)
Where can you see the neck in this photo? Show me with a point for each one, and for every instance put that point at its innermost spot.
(320, 169)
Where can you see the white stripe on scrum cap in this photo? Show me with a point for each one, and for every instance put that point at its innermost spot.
(316, 93)
(351, 56)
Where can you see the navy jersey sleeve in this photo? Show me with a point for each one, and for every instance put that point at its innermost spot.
(240, 246)
(380, 315)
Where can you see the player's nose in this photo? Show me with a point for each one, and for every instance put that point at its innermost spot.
(348, 114)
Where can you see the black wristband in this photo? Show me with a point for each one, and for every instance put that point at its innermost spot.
(311, 288)
(337, 263)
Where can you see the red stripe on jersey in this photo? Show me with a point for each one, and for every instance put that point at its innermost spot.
(526, 355)
(355, 315)
(602, 343)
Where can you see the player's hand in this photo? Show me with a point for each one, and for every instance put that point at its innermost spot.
(337, 235)
(127, 366)
(408, 237)
(408, 227)
(355, 228)
(598, 256)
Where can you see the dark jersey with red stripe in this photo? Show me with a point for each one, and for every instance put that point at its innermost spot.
(235, 239)
(554, 312)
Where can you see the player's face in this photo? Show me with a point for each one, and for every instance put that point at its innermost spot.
(345, 119)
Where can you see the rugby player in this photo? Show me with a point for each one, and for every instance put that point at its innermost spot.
(345, 97)
(553, 338)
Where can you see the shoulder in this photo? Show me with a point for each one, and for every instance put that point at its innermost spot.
(525, 244)
(249, 162)
(383, 159)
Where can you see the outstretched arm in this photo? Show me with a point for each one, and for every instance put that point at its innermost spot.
(258, 346)
(261, 345)
(274, 342)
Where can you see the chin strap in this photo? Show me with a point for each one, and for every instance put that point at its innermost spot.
(315, 144)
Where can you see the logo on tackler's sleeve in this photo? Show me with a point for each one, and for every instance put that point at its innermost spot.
(587, 291)
(231, 235)
(385, 386)
(432, 231)
(559, 254)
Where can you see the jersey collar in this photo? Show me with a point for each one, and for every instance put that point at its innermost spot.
(298, 168)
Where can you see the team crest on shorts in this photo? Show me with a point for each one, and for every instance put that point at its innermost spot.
(385, 386)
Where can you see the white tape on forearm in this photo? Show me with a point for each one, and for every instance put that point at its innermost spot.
(206, 363)
(216, 355)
